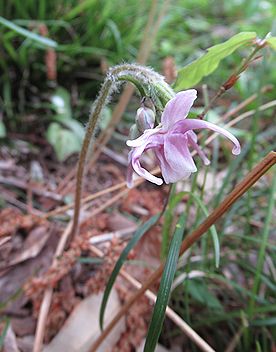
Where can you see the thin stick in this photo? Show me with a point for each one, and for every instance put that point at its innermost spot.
(251, 178)
(85, 200)
(109, 202)
(47, 297)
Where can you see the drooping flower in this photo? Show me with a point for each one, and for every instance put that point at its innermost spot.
(171, 140)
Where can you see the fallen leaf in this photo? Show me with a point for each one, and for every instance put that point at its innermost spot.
(32, 245)
(82, 327)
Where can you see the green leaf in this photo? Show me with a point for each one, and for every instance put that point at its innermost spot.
(264, 322)
(75, 126)
(199, 291)
(193, 73)
(168, 219)
(2, 130)
(46, 42)
(136, 237)
(64, 142)
(76, 10)
(90, 260)
(165, 288)
(272, 42)
(61, 104)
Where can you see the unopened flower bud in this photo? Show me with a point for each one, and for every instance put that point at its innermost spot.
(145, 116)
(133, 132)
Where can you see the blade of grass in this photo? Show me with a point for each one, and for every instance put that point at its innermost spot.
(82, 6)
(165, 288)
(212, 229)
(46, 42)
(139, 233)
(263, 247)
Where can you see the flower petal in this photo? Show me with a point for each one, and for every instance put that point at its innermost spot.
(138, 142)
(177, 153)
(150, 140)
(199, 151)
(178, 108)
(170, 175)
(175, 159)
(137, 152)
(193, 124)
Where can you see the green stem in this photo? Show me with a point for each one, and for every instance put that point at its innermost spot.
(136, 83)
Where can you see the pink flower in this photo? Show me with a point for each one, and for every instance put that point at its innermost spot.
(171, 140)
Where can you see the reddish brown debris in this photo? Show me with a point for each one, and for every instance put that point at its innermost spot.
(50, 279)
(150, 199)
(11, 220)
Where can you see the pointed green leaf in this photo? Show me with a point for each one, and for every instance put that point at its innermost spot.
(272, 42)
(200, 292)
(139, 233)
(46, 42)
(193, 73)
(165, 288)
